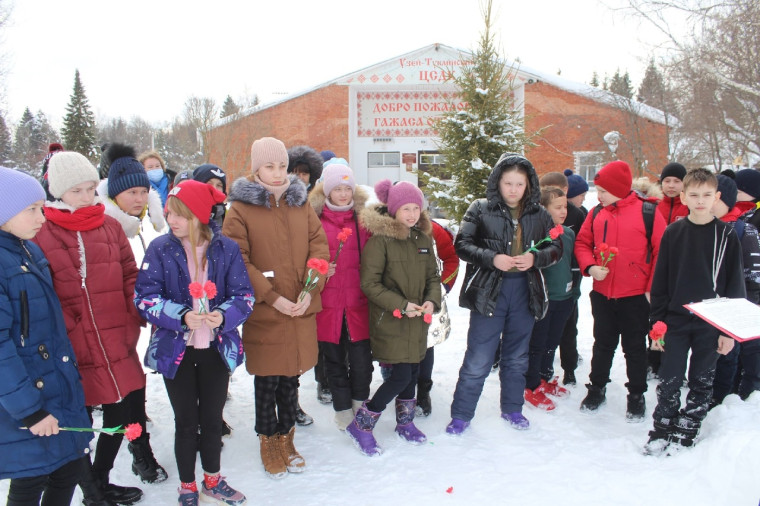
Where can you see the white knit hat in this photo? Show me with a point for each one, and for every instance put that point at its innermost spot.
(68, 169)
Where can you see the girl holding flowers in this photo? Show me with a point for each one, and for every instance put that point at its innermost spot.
(399, 275)
(278, 232)
(343, 323)
(503, 288)
(193, 286)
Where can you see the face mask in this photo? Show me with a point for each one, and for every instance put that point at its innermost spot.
(156, 175)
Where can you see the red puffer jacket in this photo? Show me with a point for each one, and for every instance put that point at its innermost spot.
(621, 225)
(342, 292)
(672, 209)
(444, 245)
(101, 320)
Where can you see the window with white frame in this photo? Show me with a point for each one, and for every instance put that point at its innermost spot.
(588, 163)
(383, 159)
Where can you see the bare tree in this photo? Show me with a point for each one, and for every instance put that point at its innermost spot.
(201, 113)
(715, 68)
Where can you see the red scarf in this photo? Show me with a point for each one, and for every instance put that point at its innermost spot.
(86, 218)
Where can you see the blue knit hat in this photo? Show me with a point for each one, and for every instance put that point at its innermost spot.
(125, 171)
(575, 184)
(327, 155)
(18, 191)
(208, 171)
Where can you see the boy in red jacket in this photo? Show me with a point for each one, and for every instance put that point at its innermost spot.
(671, 180)
(619, 298)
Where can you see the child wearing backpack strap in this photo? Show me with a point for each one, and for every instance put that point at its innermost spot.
(620, 294)
(726, 210)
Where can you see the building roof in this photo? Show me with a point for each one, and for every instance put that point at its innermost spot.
(440, 57)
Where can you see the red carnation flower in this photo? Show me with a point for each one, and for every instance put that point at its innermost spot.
(428, 318)
(319, 265)
(344, 234)
(196, 290)
(397, 313)
(658, 330)
(614, 250)
(210, 288)
(604, 247)
(556, 231)
(133, 431)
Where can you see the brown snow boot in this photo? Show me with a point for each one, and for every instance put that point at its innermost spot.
(293, 460)
(274, 465)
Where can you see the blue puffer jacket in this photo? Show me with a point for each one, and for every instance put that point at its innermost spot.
(162, 297)
(38, 370)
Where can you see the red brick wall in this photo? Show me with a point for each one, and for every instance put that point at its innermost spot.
(575, 123)
(318, 119)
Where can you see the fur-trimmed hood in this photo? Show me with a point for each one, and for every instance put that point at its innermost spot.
(317, 198)
(131, 224)
(376, 219)
(248, 191)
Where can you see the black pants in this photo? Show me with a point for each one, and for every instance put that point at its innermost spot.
(55, 489)
(131, 409)
(702, 340)
(426, 366)
(750, 361)
(197, 395)
(624, 320)
(276, 403)
(348, 367)
(401, 384)
(544, 340)
(568, 344)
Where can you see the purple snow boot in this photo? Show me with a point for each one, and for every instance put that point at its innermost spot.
(516, 420)
(360, 430)
(456, 427)
(405, 421)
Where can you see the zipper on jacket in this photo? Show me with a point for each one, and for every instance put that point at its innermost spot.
(24, 317)
(100, 340)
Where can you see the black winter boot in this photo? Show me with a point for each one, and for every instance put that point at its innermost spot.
(569, 378)
(117, 494)
(92, 493)
(424, 404)
(302, 418)
(594, 398)
(659, 438)
(324, 395)
(144, 463)
(684, 432)
(636, 408)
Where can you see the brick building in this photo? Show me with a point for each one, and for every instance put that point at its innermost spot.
(380, 118)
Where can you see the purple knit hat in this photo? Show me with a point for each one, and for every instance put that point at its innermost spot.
(398, 194)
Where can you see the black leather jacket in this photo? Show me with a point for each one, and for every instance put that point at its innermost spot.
(487, 230)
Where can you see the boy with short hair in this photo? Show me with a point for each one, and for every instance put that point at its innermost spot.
(671, 181)
(619, 297)
(682, 277)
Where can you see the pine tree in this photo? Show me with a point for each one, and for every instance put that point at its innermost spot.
(33, 134)
(621, 84)
(229, 107)
(653, 90)
(6, 145)
(473, 139)
(594, 80)
(79, 123)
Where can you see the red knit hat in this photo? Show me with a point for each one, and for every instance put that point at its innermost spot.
(616, 178)
(198, 197)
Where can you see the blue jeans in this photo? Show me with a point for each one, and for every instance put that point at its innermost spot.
(512, 324)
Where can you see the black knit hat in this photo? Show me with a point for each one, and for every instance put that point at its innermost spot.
(208, 171)
(125, 171)
(727, 189)
(673, 169)
(748, 181)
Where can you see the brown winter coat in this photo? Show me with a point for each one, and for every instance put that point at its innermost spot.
(276, 240)
(398, 266)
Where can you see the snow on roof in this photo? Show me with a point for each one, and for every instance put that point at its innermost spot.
(524, 74)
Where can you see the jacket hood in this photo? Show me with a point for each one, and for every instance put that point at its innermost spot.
(248, 191)
(131, 224)
(508, 160)
(317, 198)
(377, 221)
(305, 155)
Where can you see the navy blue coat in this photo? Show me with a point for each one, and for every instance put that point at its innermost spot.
(162, 297)
(38, 370)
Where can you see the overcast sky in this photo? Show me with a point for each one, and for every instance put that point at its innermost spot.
(146, 57)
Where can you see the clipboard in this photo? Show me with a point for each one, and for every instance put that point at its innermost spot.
(737, 318)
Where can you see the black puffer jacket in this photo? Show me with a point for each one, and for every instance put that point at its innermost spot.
(487, 230)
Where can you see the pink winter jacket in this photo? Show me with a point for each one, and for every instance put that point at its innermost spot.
(342, 291)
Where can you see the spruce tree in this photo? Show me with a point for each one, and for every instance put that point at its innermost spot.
(594, 80)
(621, 84)
(79, 123)
(6, 145)
(653, 90)
(473, 139)
(229, 107)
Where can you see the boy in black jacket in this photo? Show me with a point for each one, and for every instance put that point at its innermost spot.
(700, 258)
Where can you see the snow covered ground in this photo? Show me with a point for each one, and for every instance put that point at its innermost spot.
(567, 457)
